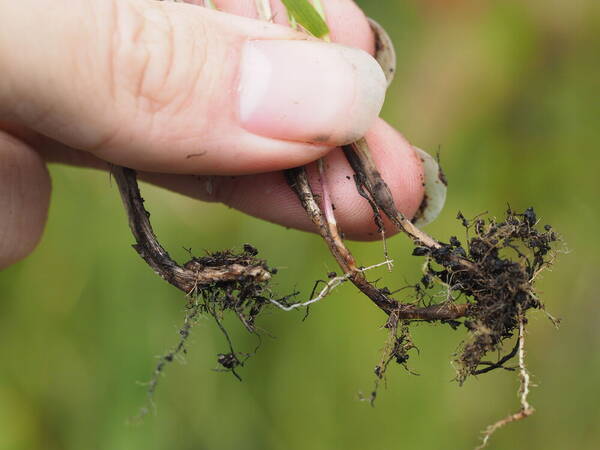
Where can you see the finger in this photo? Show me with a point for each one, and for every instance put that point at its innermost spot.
(24, 198)
(178, 88)
(348, 25)
(268, 196)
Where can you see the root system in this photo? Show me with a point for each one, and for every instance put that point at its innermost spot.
(487, 276)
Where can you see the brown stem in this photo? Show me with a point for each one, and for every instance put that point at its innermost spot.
(196, 272)
(298, 181)
(369, 179)
(367, 175)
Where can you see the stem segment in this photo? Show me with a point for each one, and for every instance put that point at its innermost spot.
(193, 274)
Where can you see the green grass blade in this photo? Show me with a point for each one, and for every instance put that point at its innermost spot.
(305, 14)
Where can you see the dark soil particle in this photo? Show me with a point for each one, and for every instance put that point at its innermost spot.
(496, 269)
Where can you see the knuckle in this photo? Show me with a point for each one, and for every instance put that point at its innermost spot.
(152, 58)
(152, 64)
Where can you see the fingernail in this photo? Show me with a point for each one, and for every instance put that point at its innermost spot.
(435, 190)
(385, 54)
(309, 91)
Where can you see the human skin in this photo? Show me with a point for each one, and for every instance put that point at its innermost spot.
(205, 103)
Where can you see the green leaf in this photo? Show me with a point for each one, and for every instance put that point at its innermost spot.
(305, 14)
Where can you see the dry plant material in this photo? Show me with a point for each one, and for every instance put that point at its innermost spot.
(487, 279)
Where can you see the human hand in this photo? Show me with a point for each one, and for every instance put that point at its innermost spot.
(177, 91)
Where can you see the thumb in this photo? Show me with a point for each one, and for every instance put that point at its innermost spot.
(171, 87)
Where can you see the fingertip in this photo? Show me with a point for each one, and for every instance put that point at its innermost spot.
(348, 25)
(309, 91)
(400, 168)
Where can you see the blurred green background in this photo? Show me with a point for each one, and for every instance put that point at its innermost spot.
(510, 92)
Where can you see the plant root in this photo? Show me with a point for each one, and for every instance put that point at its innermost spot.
(526, 409)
